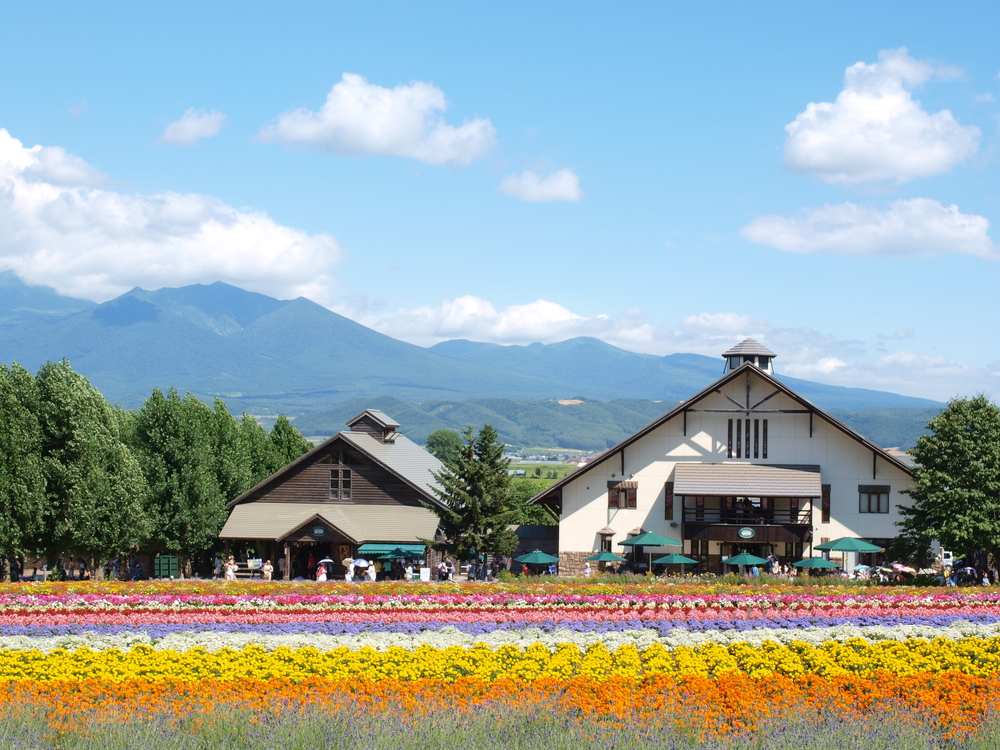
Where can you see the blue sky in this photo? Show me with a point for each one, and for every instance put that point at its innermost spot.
(648, 173)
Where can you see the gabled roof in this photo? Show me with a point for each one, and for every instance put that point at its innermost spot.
(402, 457)
(749, 348)
(708, 391)
(379, 416)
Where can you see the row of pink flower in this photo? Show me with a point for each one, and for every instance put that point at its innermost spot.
(964, 597)
(250, 616)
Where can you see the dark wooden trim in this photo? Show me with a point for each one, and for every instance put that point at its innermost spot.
(730, 533)
(874, 489)
(766, 398)
(729, 398)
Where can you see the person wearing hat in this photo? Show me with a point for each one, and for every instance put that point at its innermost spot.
(230, 569)
(266, 570)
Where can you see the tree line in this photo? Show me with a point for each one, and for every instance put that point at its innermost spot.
(83, 477)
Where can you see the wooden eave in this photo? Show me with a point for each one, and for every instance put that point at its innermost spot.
(681, 409)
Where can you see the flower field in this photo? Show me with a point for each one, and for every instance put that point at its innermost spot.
(680, 663)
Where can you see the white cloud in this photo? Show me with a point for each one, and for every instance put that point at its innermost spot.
(60, 230)
(802, 352)
(471, 317)
(54, 165)
(563, 185)
(984, 98)
(363, 118)
(909, 373)
(875, 130)
(192, 127)
(907, 228)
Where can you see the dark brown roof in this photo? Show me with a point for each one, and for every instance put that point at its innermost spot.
(678, 410)
(749, 348)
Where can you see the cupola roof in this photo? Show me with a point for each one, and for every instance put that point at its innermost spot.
(749, 348)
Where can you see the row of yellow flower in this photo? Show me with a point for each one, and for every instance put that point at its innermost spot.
(972, 656)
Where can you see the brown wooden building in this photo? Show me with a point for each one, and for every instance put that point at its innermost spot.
(357, 494)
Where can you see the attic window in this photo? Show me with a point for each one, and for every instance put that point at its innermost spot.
(340, 484)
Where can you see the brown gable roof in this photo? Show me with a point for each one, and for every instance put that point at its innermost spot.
(708, 391)
(403, 458)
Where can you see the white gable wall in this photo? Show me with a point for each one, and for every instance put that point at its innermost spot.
(845, 464)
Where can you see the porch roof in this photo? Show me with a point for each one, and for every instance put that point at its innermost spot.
(394, 524)
(747, 480)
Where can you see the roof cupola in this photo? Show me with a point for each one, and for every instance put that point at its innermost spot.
(752, 352)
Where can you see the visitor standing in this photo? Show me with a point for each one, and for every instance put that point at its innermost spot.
(266, 570)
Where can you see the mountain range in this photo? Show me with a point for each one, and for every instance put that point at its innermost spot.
(265, 356)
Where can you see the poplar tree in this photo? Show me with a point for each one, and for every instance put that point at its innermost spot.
(22, 475)
(956, 491)
(475, 499)
(288, 442)
(95, 489)
(178, 443)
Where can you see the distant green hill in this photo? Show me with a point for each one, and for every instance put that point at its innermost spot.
(267, 356)
(597, 369)
(590, 425)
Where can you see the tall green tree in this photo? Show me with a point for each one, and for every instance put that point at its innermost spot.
(264, 458)
(174, 438)
(956, 494)
(22, 475)
(475, 499)
(288, 442)
(445, 445)
(96, 491)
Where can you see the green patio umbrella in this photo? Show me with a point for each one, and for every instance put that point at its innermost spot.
(815, 562)
(674, 560)
(745, 558)
(606, 557)
(536, 558)
(650, 539)
(849, 544)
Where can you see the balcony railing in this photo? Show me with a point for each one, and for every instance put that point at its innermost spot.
(748, 516)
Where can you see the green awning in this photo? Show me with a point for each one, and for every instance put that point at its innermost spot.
(415, 550)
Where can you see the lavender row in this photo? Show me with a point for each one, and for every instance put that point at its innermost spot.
(664, 627)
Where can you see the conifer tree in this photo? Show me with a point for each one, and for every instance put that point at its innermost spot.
(475, 499)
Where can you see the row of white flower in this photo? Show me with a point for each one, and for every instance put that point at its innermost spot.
(448, 637)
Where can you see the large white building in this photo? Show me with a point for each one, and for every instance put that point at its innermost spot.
(745, 465)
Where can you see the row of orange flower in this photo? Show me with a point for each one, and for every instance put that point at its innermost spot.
(953, 704)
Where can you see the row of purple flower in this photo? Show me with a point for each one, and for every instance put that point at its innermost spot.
(664, 627)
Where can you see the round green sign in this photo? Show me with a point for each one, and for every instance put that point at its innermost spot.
(746, 533)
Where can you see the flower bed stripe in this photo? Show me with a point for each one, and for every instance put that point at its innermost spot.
(973, 656)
